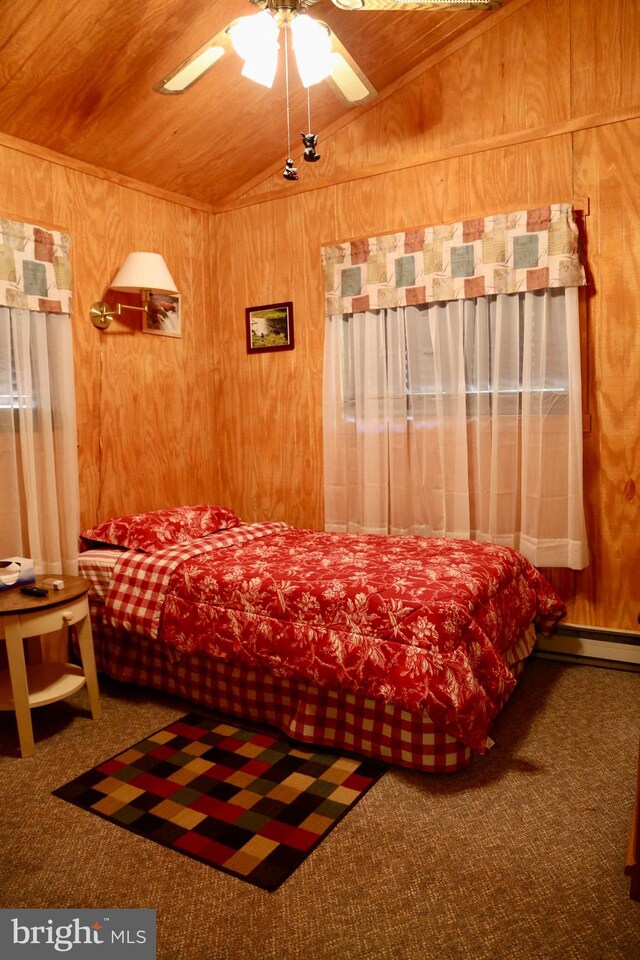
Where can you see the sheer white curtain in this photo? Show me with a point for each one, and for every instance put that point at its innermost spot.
(462, 419)
(39, 501)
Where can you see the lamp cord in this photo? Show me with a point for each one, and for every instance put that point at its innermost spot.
(308, 110)
(100, 444)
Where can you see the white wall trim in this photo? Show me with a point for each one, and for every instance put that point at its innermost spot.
(608, 647)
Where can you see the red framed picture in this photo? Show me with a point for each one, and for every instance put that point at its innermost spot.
(269, 327)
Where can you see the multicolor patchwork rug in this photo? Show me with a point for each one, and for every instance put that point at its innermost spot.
(248, 802)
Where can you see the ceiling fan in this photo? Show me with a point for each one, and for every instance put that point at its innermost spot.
(319, 53)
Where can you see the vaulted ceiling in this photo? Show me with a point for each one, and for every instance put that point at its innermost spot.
(77, 77)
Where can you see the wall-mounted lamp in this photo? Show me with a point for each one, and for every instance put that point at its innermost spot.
(143, 273)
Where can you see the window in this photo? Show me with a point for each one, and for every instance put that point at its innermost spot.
(487, 384)
(460, 418)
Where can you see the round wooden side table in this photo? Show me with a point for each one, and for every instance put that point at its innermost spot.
(22, 685)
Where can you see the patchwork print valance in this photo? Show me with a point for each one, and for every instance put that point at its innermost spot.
(505, 253)
(35, 269)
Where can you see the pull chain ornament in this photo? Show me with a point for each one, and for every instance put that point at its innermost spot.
(290, 172)
(309, 140)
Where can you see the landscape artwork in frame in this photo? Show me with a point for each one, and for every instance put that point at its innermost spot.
(270, 327)
(163, 315)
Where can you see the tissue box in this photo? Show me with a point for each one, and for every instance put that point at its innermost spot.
(16, 572)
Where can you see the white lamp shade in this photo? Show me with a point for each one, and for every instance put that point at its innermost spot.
(144, 271)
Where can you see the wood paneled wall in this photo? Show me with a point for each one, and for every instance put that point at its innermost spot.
(145, 403)
(542, 107)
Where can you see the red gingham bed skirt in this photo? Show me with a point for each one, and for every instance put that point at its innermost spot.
(344, 721)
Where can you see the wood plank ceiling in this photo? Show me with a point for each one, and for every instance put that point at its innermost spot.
(76, 76)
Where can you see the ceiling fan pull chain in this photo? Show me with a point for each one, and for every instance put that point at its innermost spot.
(309, 139)
(290, 172)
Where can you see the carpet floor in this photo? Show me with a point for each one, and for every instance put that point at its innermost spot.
(520, 856)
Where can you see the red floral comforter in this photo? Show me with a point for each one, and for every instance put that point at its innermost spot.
(423, 622)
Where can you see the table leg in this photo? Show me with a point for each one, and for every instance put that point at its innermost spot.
(87, 655)
(19, 685)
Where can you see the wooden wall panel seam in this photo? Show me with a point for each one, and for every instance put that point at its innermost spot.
(500, 142)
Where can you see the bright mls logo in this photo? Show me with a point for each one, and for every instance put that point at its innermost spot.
(82, 934)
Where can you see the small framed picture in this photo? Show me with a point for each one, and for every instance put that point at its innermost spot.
(269, 327)
(162, 316)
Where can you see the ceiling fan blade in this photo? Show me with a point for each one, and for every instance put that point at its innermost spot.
(184, 76)
(347, 80)
(405, 5)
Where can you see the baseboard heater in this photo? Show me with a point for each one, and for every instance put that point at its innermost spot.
(595, 645)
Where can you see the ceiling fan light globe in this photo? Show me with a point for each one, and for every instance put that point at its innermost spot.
(312, 47)
(262, 68)
(311, 73)
(252, 36)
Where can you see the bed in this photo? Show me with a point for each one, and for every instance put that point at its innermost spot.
(399, 648)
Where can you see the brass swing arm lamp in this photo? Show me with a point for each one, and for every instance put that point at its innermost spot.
(143, 273)
(101, 313)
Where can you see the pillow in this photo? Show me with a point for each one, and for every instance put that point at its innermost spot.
(160, 528)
